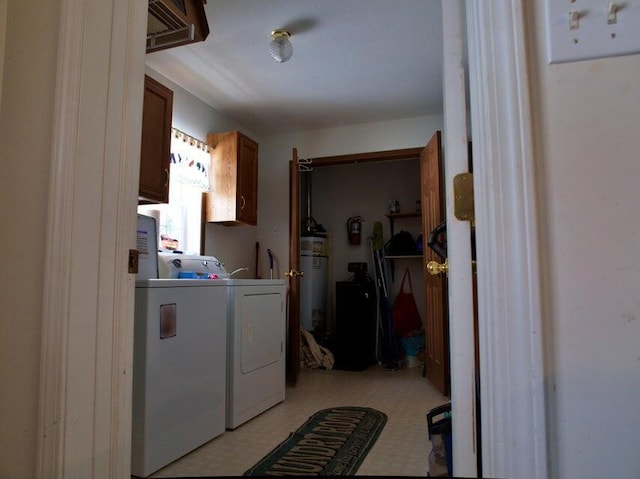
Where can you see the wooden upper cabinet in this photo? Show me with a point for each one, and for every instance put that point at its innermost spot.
(156, 143)
(172, 23)
(234, 179)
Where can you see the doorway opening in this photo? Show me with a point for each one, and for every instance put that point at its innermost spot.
(362, 185)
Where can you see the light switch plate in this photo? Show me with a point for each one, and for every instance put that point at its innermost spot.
(588, 29)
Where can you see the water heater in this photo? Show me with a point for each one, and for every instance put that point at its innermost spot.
(313, 285)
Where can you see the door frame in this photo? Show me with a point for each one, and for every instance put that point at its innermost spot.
(464, 415)
(84, 416)
(293, 303)
(293, 324)
(514, 440)
(513, 410)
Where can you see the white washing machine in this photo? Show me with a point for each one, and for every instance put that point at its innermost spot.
(256, 326)
(179, 370)
(256, 329)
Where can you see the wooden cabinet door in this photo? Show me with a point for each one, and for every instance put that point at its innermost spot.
(234, 179)
(156, 143)
(221, 200)
(247, 194)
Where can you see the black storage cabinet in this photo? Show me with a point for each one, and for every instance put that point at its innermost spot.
(355, 326)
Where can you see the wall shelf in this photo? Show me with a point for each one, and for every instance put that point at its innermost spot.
(404, 256)
(413, 214)
(392, 217)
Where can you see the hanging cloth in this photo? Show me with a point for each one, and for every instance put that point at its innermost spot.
(405, 314)
(314, 356)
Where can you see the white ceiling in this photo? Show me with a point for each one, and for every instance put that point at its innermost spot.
(354, 61)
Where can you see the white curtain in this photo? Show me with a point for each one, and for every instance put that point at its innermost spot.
(179, 221)
(190, 162)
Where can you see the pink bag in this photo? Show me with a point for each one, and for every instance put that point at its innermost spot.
(404, 312)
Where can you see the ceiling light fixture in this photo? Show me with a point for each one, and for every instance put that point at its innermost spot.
(280, 47)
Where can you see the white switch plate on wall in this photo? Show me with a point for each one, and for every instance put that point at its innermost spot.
(588, 29)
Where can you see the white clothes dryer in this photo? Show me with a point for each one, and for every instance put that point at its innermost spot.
(256, 326)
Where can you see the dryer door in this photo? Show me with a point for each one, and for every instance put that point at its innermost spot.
(262, 330)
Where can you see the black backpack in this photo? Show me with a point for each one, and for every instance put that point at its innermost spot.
(401, 243)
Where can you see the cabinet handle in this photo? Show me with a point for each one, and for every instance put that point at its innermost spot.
(166, 177)
(244, 202)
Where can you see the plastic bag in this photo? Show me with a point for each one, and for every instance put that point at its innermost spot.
(404, 312)
(313, 355)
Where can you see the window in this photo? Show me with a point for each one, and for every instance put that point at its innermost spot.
(179, 221)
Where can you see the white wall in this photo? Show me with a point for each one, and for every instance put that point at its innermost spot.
(25, 146)
(588, 121)
(276, 152)
(234, 246)
(340, 192)
(193, 116)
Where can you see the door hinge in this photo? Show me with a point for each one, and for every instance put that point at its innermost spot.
(463, 207)
(133, 261)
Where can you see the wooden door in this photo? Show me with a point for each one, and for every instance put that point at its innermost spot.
(436, 328)
(293, 341)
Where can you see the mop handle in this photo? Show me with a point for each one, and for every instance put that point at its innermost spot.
(270, 262)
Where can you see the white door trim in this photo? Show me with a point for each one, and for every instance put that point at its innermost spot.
(87, 334)
(461, 342)
(511, 354)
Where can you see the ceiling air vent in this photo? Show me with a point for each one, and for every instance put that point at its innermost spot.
(167, 24)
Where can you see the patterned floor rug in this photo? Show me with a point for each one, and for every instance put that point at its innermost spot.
(332, 442)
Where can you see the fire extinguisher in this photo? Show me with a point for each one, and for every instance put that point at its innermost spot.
(354, 226)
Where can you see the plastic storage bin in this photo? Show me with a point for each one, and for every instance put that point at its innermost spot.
(439, 427)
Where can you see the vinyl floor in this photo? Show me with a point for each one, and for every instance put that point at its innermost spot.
(401, 450)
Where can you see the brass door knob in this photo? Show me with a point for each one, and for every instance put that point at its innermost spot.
(293, 273)
(434, 268)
